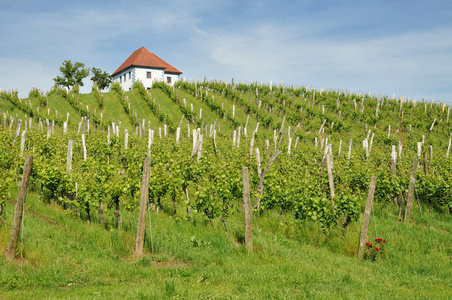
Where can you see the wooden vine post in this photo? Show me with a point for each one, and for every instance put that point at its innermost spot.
(69, 156)
(365, 227)
(18, 211)
(260, 187)
(247, 205)
(143, 202)
(409, 202)
(329, 167)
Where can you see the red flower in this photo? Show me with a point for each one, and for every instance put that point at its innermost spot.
(384, 241)
(376, 249)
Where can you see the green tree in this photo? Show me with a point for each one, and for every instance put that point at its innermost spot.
(71, 74)
(102, 79)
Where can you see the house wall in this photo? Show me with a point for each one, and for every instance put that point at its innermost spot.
(125, 78)
(140, 73)
(174, 78)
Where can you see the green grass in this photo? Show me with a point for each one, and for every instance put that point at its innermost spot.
(67, 258)
(10, 109)
(208, 116)
(57, 103)
(167, 106)
(143, 110)
(114, 112)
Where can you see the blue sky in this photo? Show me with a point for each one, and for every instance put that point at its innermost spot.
(383, 47)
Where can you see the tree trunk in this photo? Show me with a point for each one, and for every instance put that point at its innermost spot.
(159, 203)
(88, 218)
(174, 205)
(117, 212)
(260, 187)
(400, 203)
(1, 212)
(101, 214)
(223, 217)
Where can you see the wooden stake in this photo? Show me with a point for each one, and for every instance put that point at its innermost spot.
(214, 142)
(397, 201)
(258, 160)
(329, 167)
(143, 202)
(425, 164)
(22, 141)
(84, 147)
(247, 205)
(188, 202)
(200, 146)
(349, 148)
(393, 160)
(18, 211)
(260, 187)
(251, 147)
(448, 149)
(126, 139)
(69, 157)
(177, 135)
(411, 186)
(365, 227)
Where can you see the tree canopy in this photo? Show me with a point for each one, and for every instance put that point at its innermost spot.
(101, 78)
(71, 74)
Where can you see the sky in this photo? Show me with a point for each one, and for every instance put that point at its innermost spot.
(382, 47)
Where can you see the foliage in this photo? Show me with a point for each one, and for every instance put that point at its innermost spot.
(296, 184)
(101, 78)
(297, 213)
(36, 93)
(71, 74)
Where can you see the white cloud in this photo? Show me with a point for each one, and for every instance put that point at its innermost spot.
(398, 64)
(205, 38)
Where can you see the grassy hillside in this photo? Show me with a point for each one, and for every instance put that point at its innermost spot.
(65, 258)
(79, 229)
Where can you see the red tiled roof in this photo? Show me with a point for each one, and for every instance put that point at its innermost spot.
(143, 58)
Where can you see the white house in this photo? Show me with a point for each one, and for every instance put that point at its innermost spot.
(147, 67)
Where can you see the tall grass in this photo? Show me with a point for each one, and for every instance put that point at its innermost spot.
(64, 257)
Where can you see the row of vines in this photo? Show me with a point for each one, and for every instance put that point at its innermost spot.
(109, 180)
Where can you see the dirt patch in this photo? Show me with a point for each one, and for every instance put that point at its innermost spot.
(67, 287)
(170, 264)
(42, 218)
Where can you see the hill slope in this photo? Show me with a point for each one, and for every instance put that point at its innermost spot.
(81, 218)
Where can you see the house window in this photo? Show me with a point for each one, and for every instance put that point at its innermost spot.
(148, 75)
(120, 79)
(168, 79)
(124, 77)
(130, 75)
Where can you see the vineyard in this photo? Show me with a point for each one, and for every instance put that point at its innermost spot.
(310, 153)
